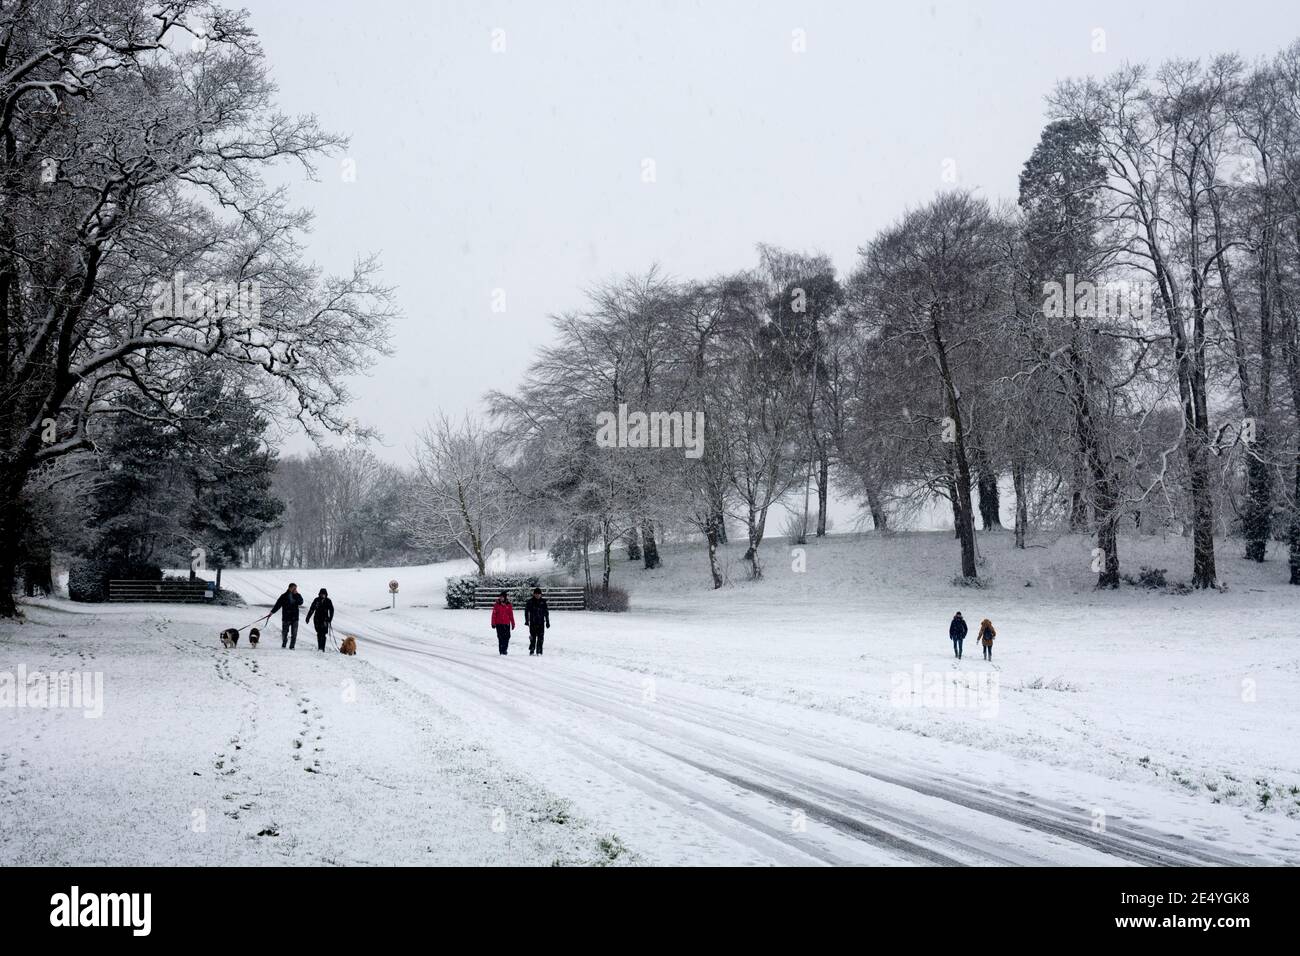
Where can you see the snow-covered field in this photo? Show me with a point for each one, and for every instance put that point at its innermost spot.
(207, 756)
(816, 716)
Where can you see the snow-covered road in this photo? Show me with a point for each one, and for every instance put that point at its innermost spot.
(705, 776)
(699, 738)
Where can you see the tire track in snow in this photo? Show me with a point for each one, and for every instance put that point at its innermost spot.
(1121, 841)
(1128, 840)
(893, 844)
(739, 827)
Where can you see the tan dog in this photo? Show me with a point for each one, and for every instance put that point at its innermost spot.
(349, 646)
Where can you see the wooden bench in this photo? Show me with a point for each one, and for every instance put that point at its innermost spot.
(557, 599)
(170, 592)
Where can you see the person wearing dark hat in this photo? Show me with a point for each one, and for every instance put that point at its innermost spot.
(323, 608)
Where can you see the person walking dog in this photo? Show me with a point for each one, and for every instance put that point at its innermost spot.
(287, 604)
(323, 610)
(503, 620)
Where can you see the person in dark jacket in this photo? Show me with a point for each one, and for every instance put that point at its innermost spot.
(503, 620)
(323, 609)
(537, 615)
(957, 632)
(288, 604)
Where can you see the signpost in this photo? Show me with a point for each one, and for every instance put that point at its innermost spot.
(392, 589)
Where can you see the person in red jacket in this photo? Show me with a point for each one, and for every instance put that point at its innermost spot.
(503, 619)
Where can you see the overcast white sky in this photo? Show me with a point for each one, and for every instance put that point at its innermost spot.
(521, 170)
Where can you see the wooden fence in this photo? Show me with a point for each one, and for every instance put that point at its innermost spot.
(557, 599)
(170, 592)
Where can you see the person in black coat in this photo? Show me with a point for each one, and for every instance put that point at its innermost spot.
(957, 633)
(323, 609)
(537, 615)
(288, 604)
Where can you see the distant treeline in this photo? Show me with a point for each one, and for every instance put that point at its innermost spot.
(342, 507)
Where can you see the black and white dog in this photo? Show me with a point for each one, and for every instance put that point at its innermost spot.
(229, 637)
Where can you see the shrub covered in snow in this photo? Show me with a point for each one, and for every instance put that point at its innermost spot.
(794, 531)
(88, 579)
(1153, 579)
(615, 599)
(460, 590)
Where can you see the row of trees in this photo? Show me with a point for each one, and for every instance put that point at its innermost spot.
(1119, 347)
(741, 351)
(342, 508)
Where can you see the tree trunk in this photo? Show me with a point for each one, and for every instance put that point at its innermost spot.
(607, 544)
(987, 484)
(823, 491)
(649, 547)
(990, 500)
(1019, 481)
(754, 531)
(1108, 542)
(961, 476)
(1189, 355)
(11, 537)
(1294, 536)
(634, 545)
(1104, 483)
(802, 536)
(877, 508)
(711, 536)
(1256, 392)
(956, 504)
(1257, 521)
(1204, 574)
(965, 519)
(586, 557)
(960, 472)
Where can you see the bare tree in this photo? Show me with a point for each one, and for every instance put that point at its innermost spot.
(133, 136)
(759, 393)
(1060, 242)
(930, 286)
(1163, 145)
(462, 496)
